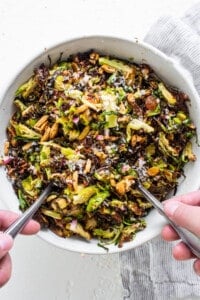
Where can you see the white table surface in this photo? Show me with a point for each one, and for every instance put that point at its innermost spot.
(28, 27)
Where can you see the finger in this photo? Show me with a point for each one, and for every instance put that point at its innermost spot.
(184, 215)
(192, 198)
(31, 227)
(8, 217)
(6, 243)
(5, 269)
(169, 234)
(196, 266)
(182, 252)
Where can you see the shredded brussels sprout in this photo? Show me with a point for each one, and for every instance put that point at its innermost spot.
(92, 123)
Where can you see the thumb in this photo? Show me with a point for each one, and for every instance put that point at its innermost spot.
(184, 215)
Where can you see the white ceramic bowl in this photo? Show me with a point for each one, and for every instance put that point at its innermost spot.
(165, 67)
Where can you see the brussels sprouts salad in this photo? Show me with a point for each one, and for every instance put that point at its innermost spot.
(91, 124)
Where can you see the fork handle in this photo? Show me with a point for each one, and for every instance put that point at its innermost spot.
(19, 224)
(189, 238)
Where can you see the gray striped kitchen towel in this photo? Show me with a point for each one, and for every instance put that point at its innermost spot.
(149, 272)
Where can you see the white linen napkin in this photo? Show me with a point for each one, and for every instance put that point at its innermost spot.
(150, 272)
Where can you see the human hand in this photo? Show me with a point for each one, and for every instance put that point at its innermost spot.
(6, 242)
(184, 211)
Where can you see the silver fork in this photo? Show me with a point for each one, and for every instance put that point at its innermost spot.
(19, 224)
(190, 239)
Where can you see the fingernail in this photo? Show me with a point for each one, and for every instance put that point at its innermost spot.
(170, 207)
(5, 242)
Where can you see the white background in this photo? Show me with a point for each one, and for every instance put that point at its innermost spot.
(28, 27)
